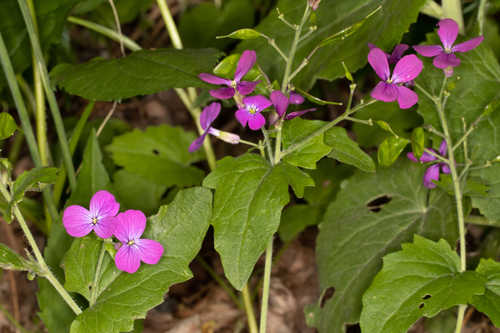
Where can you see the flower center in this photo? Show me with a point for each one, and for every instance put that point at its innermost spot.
(389, 80)
(252, 109)
(131, 242)
(447, 50)
(234, 84)
(94, 220)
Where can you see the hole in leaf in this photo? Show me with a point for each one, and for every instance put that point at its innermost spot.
(352, 328)
(376, 204)
(326, 296)
(421, 306)
(426, 296)
(156, 152)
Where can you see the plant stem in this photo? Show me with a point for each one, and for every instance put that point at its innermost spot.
(117, 24)
(38, 255)
(247, 300)
(453, 10)
(93, 293)
(481, 12)
(460, 318)
(25, 122)
(56, 114)
(170, 24)
(266, 287)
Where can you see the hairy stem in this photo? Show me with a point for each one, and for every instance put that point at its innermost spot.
(93, 292)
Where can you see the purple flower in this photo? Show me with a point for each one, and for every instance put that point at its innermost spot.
(396, 54)
(432, 173)
(281, 103)
(391, 88)
(207, 117)
(246, 62)
(130, 226)
(314, 4)
(445, 57)
(250, 111)
(79, 221)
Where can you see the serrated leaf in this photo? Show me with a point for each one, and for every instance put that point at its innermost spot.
(390, 149)
(12, 261)
(181, 228)
(372, 215)
(422, 279)
(384, 29)
(345, 150)
(7, 125)
(140, 73)
(298, 129)
(249, 197)
(159, 154)
(488, 303)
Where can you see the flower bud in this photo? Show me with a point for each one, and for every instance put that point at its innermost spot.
(225, 136)
(314, 4)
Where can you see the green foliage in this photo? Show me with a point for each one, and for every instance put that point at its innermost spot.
(390, 149)
(361, 226)
(384, 29)
(345, 150)
(418, 141)
(488, 303)
(140, 73)
(7, 125)
(159, 154)
(296, 218)
(12, 261)
(180, 227)
(422, 279)
(243, 34)
(249, 197)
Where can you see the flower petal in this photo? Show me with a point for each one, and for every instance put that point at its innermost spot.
(256, 121)
(280, 102)
(432, 173)
(428, 50)
(246, 62)
(468, 45)
(296, 114)
(445, 60)
(222, 93)
(246, 87)
(448, 71)
(426, 157)
(77, 221)
(150, 250)
(103, 204)
(296, 98)
(443, 148)
(130, 225)
(105, 227)
(445, 168)
(397, 53)
(242, 116)
(385, 92)
(378, 60)
(128, 258)
(209, 78)
(406, 97)
(412, 157)
(196, 144)
(448, 32)
(259, 102)
(407, 69)
(209, 114)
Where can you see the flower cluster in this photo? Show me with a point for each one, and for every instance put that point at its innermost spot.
(407, 68)
(432, 173)
(127, 227)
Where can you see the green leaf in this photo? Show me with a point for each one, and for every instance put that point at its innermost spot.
(384, 29)
(32, 179)
(242, 34)
(249, 197)
(295, 219)
(418, 141)
(12, 261)
(345, 150)
(422, 279)
(488, 303)
(372, 216)
(7, 125)
(180, 227)
(390, 149)
(159, 154)
(297, 130)
(140, 73)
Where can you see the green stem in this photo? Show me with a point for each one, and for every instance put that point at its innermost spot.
(220, 281)
(170, 24)
(249, 143)
(94, 291)
(266, 287)
(481, 12)
(25, 121)
(460, 318)
(481, 220)
(54, 108)
(453, 9)
(247, 300)
(45, 271)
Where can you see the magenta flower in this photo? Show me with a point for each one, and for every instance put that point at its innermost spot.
(445, 57)
(79, 221)
(391, 88)
(130, 226)
(396, 54)
(246, 62)
(314, 4)
(250, 111)
(432, 173)
(207, 117)
(281, 103)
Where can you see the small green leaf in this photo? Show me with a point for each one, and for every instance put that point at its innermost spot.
(242, 34)
(7, 125)
(390, 149)
(12, 261)
(422, 279)
(385, 126)
(159, 154)
(418, 141)
(140, 73)
(348, 74)
(249, 197)
(345, 150)
(488, 303)
(227, 66)
(316, 100)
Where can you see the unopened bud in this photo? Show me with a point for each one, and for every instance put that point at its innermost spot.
(314, 4)
(225, 136)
